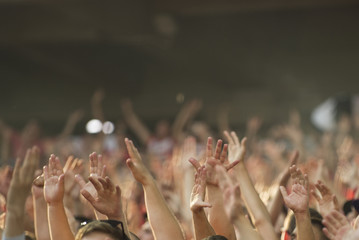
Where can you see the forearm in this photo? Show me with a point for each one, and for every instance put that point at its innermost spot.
(59, 226)
(254, 204)
(15, 211)
(202, 228)
(14, 224)
(304, 226)
(217, 215)
(41, 221)
(245, 229)
(163, 223)
(275, 207)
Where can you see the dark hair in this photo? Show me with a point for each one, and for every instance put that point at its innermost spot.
(103, 227)
(215, 237)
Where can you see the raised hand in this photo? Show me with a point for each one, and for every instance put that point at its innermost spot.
(237, 149)
(22, 178)
(336, 225)
(108, 197)
(326, 200)
(72, 167)
(97, 169)
(54, 188)
(231, 194)
(285, 175)
(198, 191)
(219, 157)
(298, 199)
(135, 164)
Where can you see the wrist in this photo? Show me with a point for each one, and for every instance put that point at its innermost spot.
(302, 214)
(120, 216)
(55, 204)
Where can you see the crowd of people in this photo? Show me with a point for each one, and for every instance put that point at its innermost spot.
(179, 182)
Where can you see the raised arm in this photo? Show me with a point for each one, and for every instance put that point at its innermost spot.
(96, 105)
(276, 205)
(70, 125)
(54, 194)
(233, 206)
(202, 228)
(258, 211)
(217, 217)
(41, 223)
(133, 121)
(326, 200)
(163, 223)
(298, 201)
(184, 116)
(20, 188)
(97, 170)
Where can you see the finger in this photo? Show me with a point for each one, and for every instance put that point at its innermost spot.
(329, 226)
(128, 146)
(340, 217)
(131, 165)
(51, 164)
(17, 166)
(100, 165)
(61, 180)
(328, 234)
(294, 158)
(209, 150)
(35, 158)
(315, 195)
(224, 153)
(103, 172)
(46, 172)
(110, 185)
(194, 163)
(80, 180)
(68, 163)
(103, 182)
(333, 221)
(283, 191)
(88, 196)
(229, 138)
(74, 164)
(232, 165)
(235, 138)
(58, 166)
(93, 163)
(218, 149)
(96, 183)
(27, 156)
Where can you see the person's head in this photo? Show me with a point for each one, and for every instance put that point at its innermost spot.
(101, 230)
(215, 237)
(290, 229)
(162, 129)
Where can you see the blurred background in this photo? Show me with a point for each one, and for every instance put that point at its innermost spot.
(258, 58)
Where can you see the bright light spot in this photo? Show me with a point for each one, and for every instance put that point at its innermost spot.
(180, 98)
(94, 126)
(108, 127)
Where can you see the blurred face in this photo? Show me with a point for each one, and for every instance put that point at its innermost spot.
(97, 236)
(162, 129)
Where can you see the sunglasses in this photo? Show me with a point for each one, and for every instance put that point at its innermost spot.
(113, 223)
